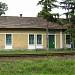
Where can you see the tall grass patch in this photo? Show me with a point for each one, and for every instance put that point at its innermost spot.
(37, 66)
(35, 51)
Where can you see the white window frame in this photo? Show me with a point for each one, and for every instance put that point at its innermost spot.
(8, 46)
(67, 45)
(41, 39)
(70, 41)
(35, 45)
(28, 39)
(10, 39)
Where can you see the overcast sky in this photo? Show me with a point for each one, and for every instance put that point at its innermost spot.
(28, 8)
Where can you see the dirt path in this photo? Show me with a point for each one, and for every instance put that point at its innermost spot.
(38, 57)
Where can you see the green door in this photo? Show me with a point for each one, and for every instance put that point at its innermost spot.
(51, 41)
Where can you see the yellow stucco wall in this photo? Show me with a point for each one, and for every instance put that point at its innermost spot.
(20, 41)
(57, 39)
(20, 37)
(34, 31)
(44, 42)
(2, 41)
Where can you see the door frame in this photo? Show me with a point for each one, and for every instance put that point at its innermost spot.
(8, 46)
(54, 40)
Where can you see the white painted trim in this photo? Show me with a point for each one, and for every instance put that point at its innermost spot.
(55, 40)
(61, 43)
(35, 45)
(31, 46)
(28, 38)
(12, 40)
(67, 45)
(39, 46)
(42, 39)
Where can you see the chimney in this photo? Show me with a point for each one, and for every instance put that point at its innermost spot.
(20, 15)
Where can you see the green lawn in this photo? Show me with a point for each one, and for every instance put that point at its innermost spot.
(34, 51)
(37, 66)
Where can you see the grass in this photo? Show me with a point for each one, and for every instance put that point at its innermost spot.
(34, 51)
(37, 66)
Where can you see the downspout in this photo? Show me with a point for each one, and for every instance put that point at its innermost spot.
(47, 35)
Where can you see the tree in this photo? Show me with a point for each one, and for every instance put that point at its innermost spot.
(48, 16)
(47, 6)
(3, 8)
(69, 5)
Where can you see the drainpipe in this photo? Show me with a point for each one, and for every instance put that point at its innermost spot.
(47, 35)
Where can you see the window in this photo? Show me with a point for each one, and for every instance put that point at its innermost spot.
(31, 38)
(8, 39)
(68, 39)
(39, 39)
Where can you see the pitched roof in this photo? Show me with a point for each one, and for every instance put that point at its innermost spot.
(27, 22)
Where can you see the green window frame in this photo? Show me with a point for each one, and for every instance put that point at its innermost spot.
(31, 39)
(68, 41)
(39, 39)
